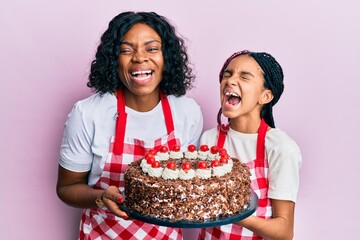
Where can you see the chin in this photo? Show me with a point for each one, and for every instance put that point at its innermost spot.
(229, 114)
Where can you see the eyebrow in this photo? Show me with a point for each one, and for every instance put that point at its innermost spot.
(241, 73)
(146, 43)
(246, 73)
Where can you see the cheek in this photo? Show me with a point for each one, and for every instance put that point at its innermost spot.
(159, 61)
(222, 87)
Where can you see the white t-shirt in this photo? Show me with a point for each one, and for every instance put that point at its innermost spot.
(91, 125)
(283, 154)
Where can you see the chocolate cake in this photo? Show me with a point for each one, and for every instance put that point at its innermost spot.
(193, 185)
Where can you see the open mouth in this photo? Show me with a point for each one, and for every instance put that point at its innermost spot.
(232, 98)
(142, 75)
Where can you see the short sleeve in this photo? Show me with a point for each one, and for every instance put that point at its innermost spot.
(284, 167)
(209, 137)
(75, 151)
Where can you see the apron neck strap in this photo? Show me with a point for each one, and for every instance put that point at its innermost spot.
(120, 124)
(222, 129)
(167, 113)
(122, 116)
(260, 146)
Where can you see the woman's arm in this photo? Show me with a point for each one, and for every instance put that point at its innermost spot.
(72, 189)
(279, 227)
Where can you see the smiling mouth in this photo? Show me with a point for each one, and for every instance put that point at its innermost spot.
(142, 75)
(232, 98)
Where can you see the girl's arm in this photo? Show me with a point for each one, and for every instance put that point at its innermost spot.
(279, 227)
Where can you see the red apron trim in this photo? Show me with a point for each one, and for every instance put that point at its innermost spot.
(260, 147)
(258, 167)
(167, 113)
(122, 116)
(101, 223)
(222, 135)
(120, 124)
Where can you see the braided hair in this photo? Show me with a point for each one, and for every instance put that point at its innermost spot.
(273, 75)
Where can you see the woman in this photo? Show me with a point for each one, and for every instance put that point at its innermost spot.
(251, 83)
(140, 75)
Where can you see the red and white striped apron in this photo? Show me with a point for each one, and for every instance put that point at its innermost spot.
(100, 223)
(259, 182)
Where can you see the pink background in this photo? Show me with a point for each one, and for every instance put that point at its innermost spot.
(45, 52)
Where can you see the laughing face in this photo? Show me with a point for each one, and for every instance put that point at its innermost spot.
(141, 61)
(242, 89)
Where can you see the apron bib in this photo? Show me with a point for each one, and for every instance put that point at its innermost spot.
(259, 183)
(100, 223)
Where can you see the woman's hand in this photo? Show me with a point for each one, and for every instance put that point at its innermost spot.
(73, 189)
(111, 198)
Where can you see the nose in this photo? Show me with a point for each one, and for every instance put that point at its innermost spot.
(140, 56)
(231, 80)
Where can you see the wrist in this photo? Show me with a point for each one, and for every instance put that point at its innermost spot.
(99, 200)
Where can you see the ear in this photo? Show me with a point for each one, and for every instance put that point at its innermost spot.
(266, 96)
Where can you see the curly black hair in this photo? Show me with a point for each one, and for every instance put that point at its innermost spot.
(177, 75)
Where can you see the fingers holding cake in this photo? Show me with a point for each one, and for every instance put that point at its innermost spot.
(112, 198)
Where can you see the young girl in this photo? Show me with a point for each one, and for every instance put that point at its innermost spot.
(140, 75)
(250, 85)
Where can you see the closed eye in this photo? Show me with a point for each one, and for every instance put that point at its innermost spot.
(126, 48)
(227, 73)
(153, 49)
(126, 51)
(246, 75)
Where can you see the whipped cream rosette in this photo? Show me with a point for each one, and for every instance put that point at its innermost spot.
(226, 163)
(162, 154)
(203, 171)
(191, 152)
(203, 152)
(218, 169)
(175, 152)
(147, 161)
(155, 170)
(213, 153)
(170, 172)
(186, 172)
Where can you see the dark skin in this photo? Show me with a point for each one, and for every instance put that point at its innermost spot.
(140, 51)
(73, 189)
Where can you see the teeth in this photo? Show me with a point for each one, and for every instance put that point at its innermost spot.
(231, 94)
(147, 72)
